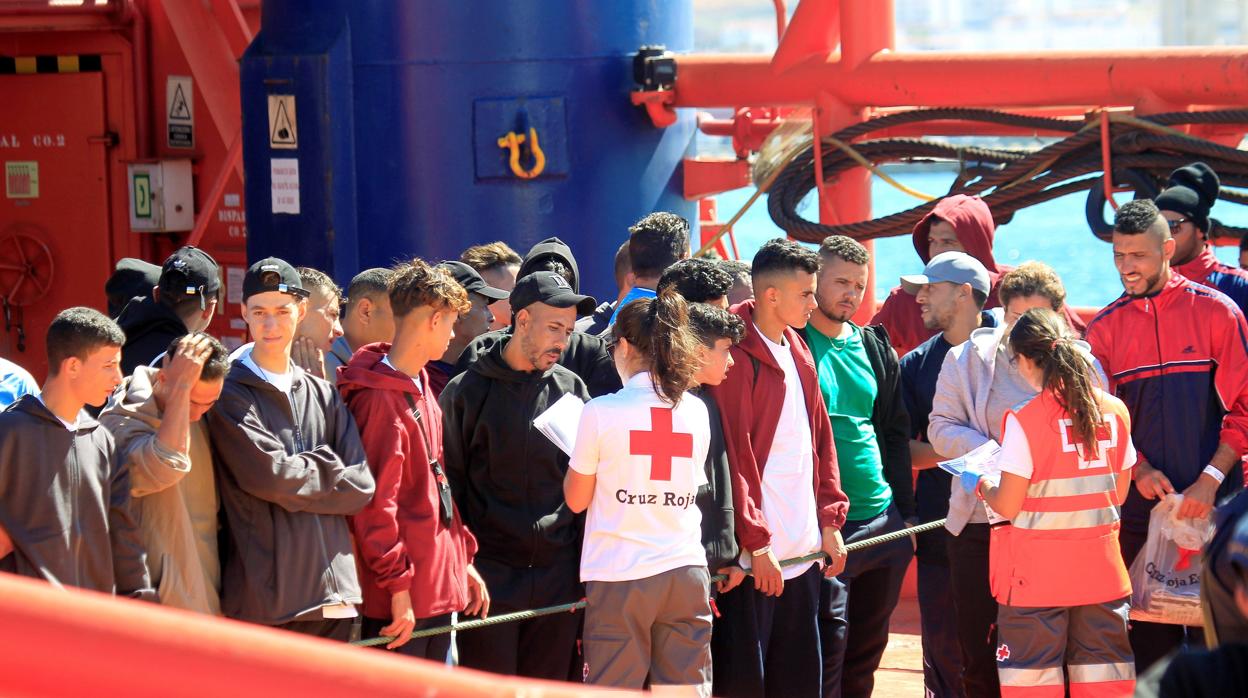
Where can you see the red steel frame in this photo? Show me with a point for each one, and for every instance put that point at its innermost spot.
(867, 76)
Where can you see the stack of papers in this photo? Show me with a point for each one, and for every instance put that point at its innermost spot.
(982, 460)
(560, 421)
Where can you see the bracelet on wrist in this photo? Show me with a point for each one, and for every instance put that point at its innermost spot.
(1213, 472)
(761, 551)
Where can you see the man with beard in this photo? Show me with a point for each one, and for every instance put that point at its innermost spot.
(860, 381)
(951, 294)
(1176, 353)
(1185, 203)
(507, 480)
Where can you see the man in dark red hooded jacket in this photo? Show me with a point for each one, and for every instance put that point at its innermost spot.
(958, 223)
(415, 552)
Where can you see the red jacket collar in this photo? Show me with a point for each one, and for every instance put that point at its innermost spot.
(753, 343)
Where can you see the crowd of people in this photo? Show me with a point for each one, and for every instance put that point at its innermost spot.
(372, 463)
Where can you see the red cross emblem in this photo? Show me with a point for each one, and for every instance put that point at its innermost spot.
(1003, 653)
(662, 444)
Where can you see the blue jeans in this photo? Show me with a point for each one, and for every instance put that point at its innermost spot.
(942, 656)
(855, 606)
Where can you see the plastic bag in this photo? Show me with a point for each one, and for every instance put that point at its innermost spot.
(1165, 576)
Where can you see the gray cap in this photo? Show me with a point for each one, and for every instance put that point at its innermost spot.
(954, 267)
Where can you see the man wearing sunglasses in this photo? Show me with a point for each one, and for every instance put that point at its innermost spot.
(183, 302)
(1185, 204)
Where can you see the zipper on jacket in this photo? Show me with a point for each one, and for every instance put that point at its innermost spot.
(1161, 370)
(75, 483)
(320, 529)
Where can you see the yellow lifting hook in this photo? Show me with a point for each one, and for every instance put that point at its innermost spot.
(512, 141)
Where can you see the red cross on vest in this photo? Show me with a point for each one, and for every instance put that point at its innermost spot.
(661, 444)
(1003, 653)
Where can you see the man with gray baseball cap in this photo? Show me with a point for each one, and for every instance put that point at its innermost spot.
(951, 293)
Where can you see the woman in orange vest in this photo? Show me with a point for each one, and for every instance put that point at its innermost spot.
(1056, 571)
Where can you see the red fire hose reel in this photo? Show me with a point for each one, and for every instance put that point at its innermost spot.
(26, 272)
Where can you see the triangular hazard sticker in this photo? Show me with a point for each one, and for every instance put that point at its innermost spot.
(179, 110)
(283, 133)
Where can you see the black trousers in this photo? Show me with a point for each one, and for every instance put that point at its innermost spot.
(540, 648)
(436, 647)
(1153, 641)
(855, 606)
(330, 628)
(977, 610)
(942, 661)
(768, 645)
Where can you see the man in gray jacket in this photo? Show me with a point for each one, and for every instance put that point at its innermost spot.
(64, 498)
(155, 421)
(290, 468)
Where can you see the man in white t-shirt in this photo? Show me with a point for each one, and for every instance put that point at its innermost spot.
(786, 486)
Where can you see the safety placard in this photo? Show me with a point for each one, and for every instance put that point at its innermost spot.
(284, 178)
(283, 131)
(180, 108)
(142, 186)
(21, 180)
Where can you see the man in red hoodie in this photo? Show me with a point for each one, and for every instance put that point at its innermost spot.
(785, 487)
(958, 223)
(416, 555)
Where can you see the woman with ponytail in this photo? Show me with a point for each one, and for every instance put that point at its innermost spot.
(637, 465)
(1056, 570)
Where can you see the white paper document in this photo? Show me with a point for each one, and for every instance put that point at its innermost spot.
(982, 460)
(560, 421)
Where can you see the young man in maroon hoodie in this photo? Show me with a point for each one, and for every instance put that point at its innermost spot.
(958, 223)
(415, 552)
(785, 487)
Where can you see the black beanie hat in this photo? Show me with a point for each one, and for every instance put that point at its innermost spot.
(1191, 191)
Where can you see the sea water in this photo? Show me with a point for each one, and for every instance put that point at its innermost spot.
(1055, 232)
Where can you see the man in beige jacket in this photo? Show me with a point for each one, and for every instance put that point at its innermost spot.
(154, 418)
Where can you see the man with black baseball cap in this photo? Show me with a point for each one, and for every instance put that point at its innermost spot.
(470, 325)
(290, 468)
(507, 480)
(584, 354)
(1185, 203)
(183, 301)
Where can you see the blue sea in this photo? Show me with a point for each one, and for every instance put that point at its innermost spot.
(1054, 232)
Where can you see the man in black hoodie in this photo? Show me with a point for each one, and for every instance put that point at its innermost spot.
(184, 301)
(507, 480)
(583, 354)
(65, 513)
(290, 468)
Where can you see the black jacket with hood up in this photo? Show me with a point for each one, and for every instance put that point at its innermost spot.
(65, 503)
(586, 355)
(150, 328)
(506, 476)
(289, 471)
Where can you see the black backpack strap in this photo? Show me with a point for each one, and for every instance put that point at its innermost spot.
(439, 475)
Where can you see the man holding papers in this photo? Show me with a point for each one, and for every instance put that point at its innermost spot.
(507, 481)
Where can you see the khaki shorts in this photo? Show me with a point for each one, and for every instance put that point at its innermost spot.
(659, 627)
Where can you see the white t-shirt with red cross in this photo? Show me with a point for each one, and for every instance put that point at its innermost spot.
(649, 459)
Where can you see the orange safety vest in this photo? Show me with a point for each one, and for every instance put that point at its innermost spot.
(1062, 549)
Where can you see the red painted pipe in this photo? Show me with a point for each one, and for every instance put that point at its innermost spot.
(75, 643)
(1183, 75)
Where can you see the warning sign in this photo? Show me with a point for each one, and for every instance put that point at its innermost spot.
(180, 107)
(284, 179)
(21, 180)
(283, 133)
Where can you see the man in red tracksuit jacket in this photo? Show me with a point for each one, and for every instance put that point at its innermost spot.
(415, 553)
(785, 487)
(1176, 353)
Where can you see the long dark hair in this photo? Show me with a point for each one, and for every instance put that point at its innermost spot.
(658, 328)
(1044, 337)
